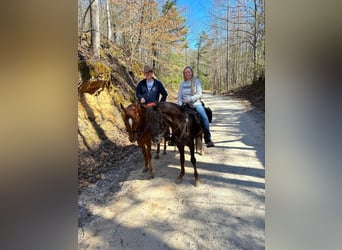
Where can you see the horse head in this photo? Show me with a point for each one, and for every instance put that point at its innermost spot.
(133, 119)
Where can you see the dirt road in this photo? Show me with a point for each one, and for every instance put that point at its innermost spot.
(226, 211)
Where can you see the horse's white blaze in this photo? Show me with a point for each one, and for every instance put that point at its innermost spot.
(130, 121)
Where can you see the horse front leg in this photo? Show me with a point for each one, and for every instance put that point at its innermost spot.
(158, 151)
(193, 161)
(144, 152)
(149, 158)
(182, 160)
(164, 152)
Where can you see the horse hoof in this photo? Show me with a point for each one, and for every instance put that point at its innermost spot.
(150, 176)
(164, 153)
(156, 157)
(144, 170)
(197, 182)
(178, 180)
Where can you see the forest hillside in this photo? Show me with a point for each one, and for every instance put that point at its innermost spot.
(103, 84)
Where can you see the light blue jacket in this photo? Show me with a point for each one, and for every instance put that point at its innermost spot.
(184, 91)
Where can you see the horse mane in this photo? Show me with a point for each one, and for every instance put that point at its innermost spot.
(186, 111)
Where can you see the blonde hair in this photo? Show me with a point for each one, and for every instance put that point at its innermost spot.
(192, 72)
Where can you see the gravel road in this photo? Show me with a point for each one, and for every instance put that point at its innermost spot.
(226, 211)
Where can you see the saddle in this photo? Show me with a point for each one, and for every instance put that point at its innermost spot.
(190, 110)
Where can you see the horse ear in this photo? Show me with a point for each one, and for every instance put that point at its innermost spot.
(137, 106)
(122, 107)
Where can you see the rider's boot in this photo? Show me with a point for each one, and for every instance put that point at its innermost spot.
(207, 139)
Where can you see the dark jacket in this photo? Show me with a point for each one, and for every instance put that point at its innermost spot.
(152, 96)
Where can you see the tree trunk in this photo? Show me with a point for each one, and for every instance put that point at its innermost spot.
(95, 27)
(198, 58)
(255, 41)
(227, 49)
(109, 25)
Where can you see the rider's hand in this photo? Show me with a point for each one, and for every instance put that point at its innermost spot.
(186, 100)
(142, 100)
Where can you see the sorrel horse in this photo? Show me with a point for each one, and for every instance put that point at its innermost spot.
(186, 127)
(138, 130)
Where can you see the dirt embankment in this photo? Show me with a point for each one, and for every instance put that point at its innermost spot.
(102, 142)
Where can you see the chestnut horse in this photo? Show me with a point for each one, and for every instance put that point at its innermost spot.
(186, 126)
(138, 130)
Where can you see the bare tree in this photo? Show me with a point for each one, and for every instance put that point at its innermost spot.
(109, 25)
(241, 56)
(95, 26)
(227, 49)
